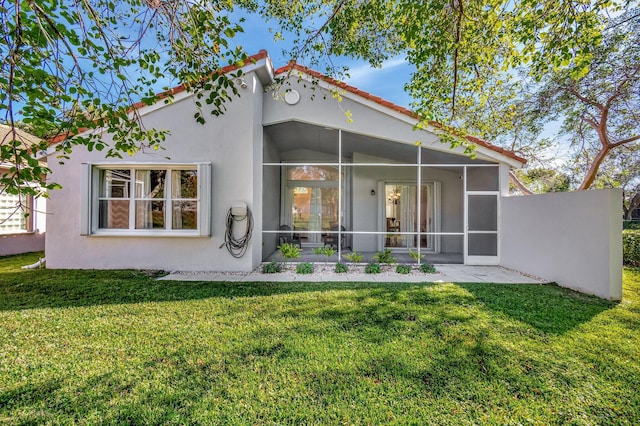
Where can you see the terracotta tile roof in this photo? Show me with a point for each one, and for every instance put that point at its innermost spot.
(262, 54)
(25, 139)
(292, 66)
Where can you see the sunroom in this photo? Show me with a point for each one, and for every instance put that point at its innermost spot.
(355, 192)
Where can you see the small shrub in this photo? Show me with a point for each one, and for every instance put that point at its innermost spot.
(384, 257)
(427, 268)
(304, 268)
(372, 268)
(272, 268)
(631, 248)
(289, 251)
(415, 255)
(403, 269)
(327, 251)
(353, 257)
(631, 224)
(341, 268)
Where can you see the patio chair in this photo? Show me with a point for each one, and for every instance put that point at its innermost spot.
(393, 225)
(330, 239)
(288, 237)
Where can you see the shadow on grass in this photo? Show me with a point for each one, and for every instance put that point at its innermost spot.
(76, 288)
(380, 347)
(110, 398)
(547, 308)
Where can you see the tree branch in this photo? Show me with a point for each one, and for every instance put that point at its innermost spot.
(593, 123)
(625, 141)
(317, 33)
(618, 90)
(584, 99)
(52, 26)
(593, 168)
(518, 184)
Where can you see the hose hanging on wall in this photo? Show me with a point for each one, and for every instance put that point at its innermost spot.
(237, 246)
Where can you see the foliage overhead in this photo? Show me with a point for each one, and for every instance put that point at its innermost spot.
(601, 108)
(69, 67)
(541, 180)
(486, 66)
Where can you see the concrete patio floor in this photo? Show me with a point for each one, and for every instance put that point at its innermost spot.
(445, 273)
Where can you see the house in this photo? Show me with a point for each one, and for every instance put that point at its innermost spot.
(22, 217)
(292, 160)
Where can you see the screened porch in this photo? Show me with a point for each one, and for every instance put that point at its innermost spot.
(326, 187)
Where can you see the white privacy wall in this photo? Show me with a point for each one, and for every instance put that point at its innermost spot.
(572, 238)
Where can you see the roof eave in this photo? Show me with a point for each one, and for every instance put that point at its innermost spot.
(487, 148)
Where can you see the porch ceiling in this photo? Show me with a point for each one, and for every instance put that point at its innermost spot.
(294, 136)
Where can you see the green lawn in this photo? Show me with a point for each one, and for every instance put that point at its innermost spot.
(93, 347)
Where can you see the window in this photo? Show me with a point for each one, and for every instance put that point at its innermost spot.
(12, 218)
(310, 200)
(147, 199)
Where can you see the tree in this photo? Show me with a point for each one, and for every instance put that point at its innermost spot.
(72, 67)
(75, 66)
(541, 180)
(621, 169)
(600, 106)
(470, 57)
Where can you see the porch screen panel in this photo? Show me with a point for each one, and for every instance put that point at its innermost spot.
(483, 213)
(367, 149)
(483, 178)
(482, 225)
(483, 244)
(311, 201)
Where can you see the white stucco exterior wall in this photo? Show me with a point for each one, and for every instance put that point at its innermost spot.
(229, 142)
(574, 239)
(257, 149)
(271, 197)
(366, 117)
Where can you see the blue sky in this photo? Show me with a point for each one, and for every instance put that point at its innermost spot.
(386, 82)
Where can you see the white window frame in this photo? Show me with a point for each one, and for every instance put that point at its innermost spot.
(90, 199)
(16, 215)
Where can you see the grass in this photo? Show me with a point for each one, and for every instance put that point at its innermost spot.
(119, 347)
